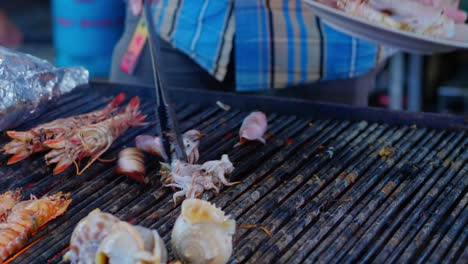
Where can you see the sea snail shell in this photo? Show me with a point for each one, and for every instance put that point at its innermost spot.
(202, 234)
(127, 244)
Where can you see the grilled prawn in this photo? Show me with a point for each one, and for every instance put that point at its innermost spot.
(7, 201)
(93, 140)
(26, 218)
(26, 143)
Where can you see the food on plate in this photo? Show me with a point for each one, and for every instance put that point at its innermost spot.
(26, 143)
(102, 238)
(253, 128)
(194, 179)
(405, 15)
(7, 202)
(202, 233)
(153, 145)
(92, 141)
(131, 163)
(26, 218)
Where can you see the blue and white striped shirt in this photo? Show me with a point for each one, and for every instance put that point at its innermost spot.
(277, 43)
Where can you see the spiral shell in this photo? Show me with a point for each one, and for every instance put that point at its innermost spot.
(127, 244)
(87, 236)
(202, 233)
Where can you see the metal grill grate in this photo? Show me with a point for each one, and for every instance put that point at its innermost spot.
(323, 188)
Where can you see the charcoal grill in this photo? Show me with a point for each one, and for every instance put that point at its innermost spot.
(333, 184)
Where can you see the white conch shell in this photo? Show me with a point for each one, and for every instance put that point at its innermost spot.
(202, 233)
(87, 236)
(120, 246)
(127, 244)
(155, 249)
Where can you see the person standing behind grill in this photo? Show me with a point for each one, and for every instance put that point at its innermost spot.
(253, 47)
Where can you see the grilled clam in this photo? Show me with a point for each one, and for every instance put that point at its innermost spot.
(202, 233)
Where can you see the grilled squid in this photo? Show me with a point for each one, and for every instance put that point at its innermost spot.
(202, 233)
(131, 163)
(127, 244)
(154, 146)
(253, 128)
(194, 179)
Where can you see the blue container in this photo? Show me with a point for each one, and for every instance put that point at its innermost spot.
(86, 31)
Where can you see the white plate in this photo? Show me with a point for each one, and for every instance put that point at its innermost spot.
(402, 40)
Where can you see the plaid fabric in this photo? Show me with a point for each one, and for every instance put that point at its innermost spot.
(277, 43)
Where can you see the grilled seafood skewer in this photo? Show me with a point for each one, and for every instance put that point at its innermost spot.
(253, 128)
(153, 145)
(26, 143)
(7, 201)
(26, 218)
(93, 140)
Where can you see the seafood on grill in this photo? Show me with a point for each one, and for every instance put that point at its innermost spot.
(202, 233)
(131, 163)
(127, 244)
(404, 15)
(102, 238)
(7, 201)
(153, 145)
(26, 218)
(88, 234)
(26, 143)
(93, 140)
(253, 128)
(194, 179)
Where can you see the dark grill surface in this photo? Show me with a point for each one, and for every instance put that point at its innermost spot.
(322, 187)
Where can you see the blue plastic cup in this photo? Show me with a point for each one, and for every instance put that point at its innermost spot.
(86, 31)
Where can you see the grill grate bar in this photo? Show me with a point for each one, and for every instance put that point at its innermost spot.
(324, 188)
(449, 231)
(449, 200)
(311, 194)
(333, 193)
(360, 197)
(394, 204)
(333, 167)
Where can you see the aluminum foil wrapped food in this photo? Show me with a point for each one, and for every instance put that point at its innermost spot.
(28, 83)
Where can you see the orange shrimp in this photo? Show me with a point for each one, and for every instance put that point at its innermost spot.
(26, 218)
(93, 140)
(26, 143)
(7, 201)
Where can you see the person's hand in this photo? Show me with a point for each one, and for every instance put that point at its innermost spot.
(136, 7)
(450, 7)
(10, 35)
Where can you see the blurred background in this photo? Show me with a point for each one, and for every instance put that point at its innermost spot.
(411, 82)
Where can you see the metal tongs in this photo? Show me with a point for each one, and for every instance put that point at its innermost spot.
(168, 126)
